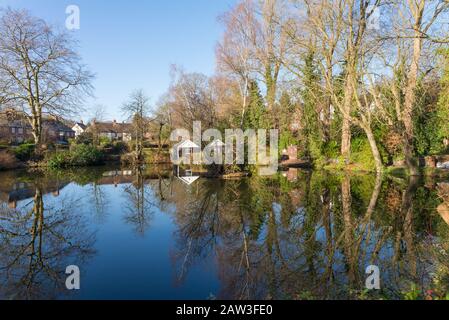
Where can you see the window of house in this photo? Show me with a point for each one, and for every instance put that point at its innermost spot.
(20, 130)
(13, 130)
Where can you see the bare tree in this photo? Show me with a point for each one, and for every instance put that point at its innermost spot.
(336, 32)
(98, 113)
(236, 52)
(407, 40)
(40, 70)
(414, 29)
(190, 98)
(162, 122)
(137, 110)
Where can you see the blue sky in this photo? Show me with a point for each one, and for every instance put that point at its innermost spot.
(132, 44)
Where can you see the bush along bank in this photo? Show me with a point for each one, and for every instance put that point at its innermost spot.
(79, 156)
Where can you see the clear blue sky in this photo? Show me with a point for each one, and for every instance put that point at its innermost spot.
(131, 44)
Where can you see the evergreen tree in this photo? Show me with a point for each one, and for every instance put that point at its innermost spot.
(311, 118)
(285, 116)
(256, 115)
(443, 103)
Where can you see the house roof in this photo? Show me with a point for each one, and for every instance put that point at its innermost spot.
(81, 125)
(112, 127)
(56, 125)
(17, 118)
(14, 123)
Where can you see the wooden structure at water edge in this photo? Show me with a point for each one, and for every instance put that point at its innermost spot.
(290, 159)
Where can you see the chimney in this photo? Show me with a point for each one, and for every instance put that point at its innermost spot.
(82, 122)
(114, 121)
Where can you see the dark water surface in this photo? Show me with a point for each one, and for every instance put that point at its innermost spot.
(149, 235)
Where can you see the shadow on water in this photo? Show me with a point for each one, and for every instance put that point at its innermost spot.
(298, 235)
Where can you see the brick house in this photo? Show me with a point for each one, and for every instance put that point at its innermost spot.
(115, 131)
(15, 129)
(56, 130)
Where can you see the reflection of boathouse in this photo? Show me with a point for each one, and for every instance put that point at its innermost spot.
(185, 175)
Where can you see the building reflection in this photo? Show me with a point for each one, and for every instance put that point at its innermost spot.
(18, 191)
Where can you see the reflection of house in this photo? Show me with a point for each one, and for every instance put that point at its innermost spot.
(116, 177)
(79, 128)
(19, 191)
(113, 130)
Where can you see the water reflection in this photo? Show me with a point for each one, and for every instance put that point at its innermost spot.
(299, 235)
(38, 241)
(313, 238)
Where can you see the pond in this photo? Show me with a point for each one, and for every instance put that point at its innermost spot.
(148, 234)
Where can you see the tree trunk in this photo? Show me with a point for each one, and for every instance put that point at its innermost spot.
(326, 119)
(36, 129)
(408, 225)
(271, 90)
(374, 149)
(346, 139)
(410, 94)
(346, 125)
(346, 201)
(160, 137)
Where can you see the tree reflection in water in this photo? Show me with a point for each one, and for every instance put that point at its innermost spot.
(313, 238)
(37, 243)
(306, 235)
(143, 198)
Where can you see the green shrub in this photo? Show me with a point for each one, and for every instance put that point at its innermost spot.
(60, 160)
(79, 156)
(24, 151)
(85, 138)
(286, 139)
(104, 141)
(331, 150)
(84, 155)
(120, 147)
(361, 154)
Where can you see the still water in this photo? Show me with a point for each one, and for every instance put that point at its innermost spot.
(147, 234)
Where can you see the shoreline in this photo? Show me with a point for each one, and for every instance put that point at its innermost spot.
(399, 172)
